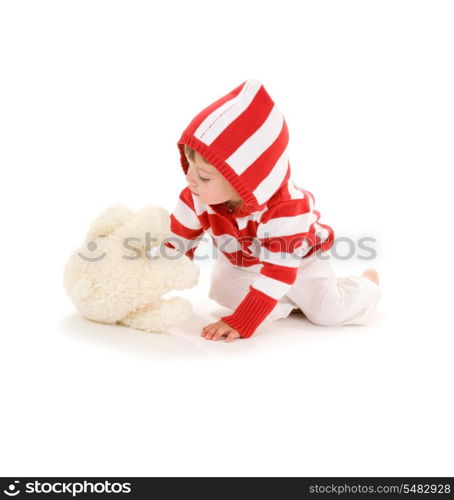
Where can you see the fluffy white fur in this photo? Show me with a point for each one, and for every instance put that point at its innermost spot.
(109, 288)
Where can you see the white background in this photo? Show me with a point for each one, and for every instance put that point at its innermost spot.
(93, 98)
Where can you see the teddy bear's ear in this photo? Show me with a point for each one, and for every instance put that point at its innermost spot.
(108, 220)
(151, 225)
(156, 220)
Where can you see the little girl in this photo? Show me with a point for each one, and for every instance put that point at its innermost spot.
(273, 250)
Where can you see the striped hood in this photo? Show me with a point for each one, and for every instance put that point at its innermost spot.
(245, 136)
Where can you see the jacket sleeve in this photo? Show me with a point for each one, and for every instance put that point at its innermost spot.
(285, 234)
(185, 227)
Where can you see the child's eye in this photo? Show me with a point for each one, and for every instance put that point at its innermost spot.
(203, 179)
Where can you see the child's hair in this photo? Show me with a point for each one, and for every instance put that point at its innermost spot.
(190, 153)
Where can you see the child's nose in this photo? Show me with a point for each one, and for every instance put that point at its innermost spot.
(190, 179)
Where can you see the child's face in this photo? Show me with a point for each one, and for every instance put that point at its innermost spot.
(208, 184)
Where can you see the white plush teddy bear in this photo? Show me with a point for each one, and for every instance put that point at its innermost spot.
(123, 271)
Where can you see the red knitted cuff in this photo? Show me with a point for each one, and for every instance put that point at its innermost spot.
(189, 253)
(254, 308)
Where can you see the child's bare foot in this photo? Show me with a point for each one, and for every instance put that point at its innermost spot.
(296, 311)
(372, 275)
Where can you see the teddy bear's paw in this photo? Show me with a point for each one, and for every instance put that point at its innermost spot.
(184, 274)
(176, 311)
(160, 315)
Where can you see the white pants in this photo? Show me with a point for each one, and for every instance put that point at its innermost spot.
(324, 298)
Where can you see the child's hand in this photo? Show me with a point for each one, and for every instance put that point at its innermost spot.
(215, 331)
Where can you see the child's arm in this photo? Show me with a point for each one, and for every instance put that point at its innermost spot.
(286, 233)
(186, 229)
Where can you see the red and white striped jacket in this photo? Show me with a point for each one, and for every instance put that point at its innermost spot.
(245, 136)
